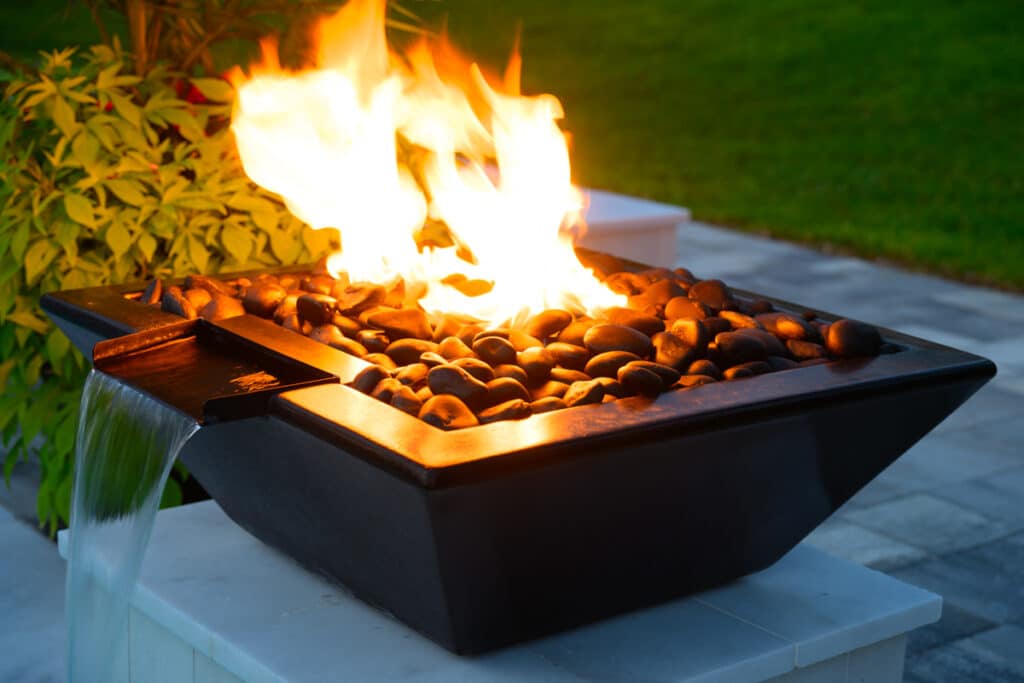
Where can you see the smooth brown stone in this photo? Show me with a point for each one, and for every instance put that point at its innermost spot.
(475, 367)
(350, 346)
(451, 379)
(568, 355)
(604, 338)
(394, 295)
(326, 334)
(453, 348)
(704, 367)
(773, 345)
(382, 360)
(805, 350)
(735, 348)
(569, 376)
(537, 363)
(402, 323)
(499, 332)
(715, 326)
(583, 393)
(739, 320)
(641, 322)
(221, 307)
(658, 294)
(612, 387)
(809, 315)
(778, 363)
(340, 285)
(424, 393)
(713, 293)
(549, 388)
(414, 375)
(405, 399)
(684, 307)
(758, 367)
(386, 388)
(690, 381)
(197, 297)
(759, 306)
(607, 364)
(547, 323)
(447, 412)
(672, 351)
(693, 333)
(369, 377)
(358, 297)
(668, 375)
(511, 371)
(316, 308)
(293, 323)
(263, 299)
(547, 404)
(626, 283)
(209, 284)
(317, 284)
(514, 409)
(446, 326)
(286, 307)
(349, 327)
(851, 338)
(406, 351)
(495, 351)
(174, 302)
(638, 380)
(287, 281)
(787, 326)
(521, 341)
(814, 361)
(738, 372)
(432, 359)
(501, 389)
(467, 333)
(574, 333)
(363, 316)
(152, 293)
(375, 341)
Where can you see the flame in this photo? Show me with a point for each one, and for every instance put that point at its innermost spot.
(379, 144)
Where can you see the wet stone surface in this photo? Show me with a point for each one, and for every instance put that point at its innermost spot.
(675, 332)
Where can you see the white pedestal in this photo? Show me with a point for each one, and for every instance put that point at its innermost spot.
(635, 229)
(214, 604)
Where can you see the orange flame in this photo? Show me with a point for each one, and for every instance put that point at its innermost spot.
(378, 144)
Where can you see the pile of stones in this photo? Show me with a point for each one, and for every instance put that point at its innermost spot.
(676, 332)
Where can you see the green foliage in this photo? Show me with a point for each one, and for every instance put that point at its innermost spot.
(106, 177)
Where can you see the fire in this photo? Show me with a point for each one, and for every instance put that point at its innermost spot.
(384, 145)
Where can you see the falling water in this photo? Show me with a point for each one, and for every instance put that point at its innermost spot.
(127, 442)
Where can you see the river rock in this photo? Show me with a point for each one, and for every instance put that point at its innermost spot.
(735, 348)
(778, 363)
(514, 409)
(668, 375)
(738, 372)
(638, 380)
(413, 375)
(221, 307)
(197, 297)
(316, 308)
(447, 412)
(657, 295)
(263, 299)
(453, 347)
(432, 359)
(152, 293)
(549, 388)
(849, 338)
(502, 389)
(787, 326)
(521, 341)
(607, 364)
(704, 367)
(375, 341)
(693, 333)
(176, 303)
(547, 323)
(713, 293)
(382, 360)
(402, 323)
(451, 379)
(537, 363)
(574, 333)
(406, 400)
(690, 381)
(547, 404)
(805, 350)
(568, 355)
(209, 284)
(495, 351)
(740, 320)
(386, 389)
(603, 338)
(583, 393)
(512, 372)
(715, 326)
(684, 307)
(641, 322)
(359, 296)
(317, 284)
(569, 376)
(475, 367)
(773, 345)
(406, 351)
(672, 351)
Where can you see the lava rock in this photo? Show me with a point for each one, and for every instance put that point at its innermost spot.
(318, 309)
(713, 293)
(607, 364)
(583, 393)
(568, 355)
(451, 379)
(403, 323)
(514, 409)
(850, 338)
(406, 351)
(638, 380)
(495, 351)
(447, 412)
(475, 367)
(547, 323)
(369, 377)
(263, 299)
(603, 338)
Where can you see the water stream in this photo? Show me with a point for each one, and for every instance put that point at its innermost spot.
(127, 443)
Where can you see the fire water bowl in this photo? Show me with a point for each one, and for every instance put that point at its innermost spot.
(495, 534)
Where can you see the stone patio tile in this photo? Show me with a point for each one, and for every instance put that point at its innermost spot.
(1000, 496)
(956, 623)
(952, 457)
(931, 523)
(863, 546)
(961, 662)
(1007, 353)
(955, 320)
(1007, 641)
(988, 301)
(988, 404)
(880, 490)
(987, 580)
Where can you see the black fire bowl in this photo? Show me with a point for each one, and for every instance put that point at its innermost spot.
(491, 535)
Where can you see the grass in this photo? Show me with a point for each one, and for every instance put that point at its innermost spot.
(890, 130)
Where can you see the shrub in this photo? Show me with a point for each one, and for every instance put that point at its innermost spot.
(107, 176)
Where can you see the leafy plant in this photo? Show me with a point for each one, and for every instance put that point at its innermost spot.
(107, 175)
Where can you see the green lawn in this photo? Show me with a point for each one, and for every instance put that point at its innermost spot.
(887, 129)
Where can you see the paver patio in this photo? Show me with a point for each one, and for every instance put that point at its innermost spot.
(948, 516)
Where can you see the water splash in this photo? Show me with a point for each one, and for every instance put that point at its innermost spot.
(127, 443)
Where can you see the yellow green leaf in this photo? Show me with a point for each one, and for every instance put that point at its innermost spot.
(29, 320)
(64, 116)
(38, 256)
(127, 191)
(79, 209)
(118, 239)
(237, 242)
(198, 254)
(214, 89)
